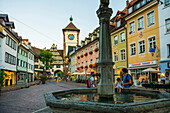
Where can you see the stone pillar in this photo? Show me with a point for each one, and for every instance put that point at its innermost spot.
(106, 85)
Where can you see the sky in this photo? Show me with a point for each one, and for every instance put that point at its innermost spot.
(42, 21)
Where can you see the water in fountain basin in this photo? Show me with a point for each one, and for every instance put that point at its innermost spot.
(119, 98)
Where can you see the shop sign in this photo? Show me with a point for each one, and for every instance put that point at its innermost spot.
(143, 63)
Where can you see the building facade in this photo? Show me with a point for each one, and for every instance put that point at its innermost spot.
(8, 49)
(164, 31)
(119, 44)
(57, 65)
(143, 38)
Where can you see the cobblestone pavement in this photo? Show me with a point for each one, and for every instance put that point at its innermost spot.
(31, 99)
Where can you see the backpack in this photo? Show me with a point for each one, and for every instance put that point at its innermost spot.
(128, 80)
(88, 84)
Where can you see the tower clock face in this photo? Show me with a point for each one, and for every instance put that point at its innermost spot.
(71, 37)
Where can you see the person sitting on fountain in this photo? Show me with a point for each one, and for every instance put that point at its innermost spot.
(126, 78)
(119, 85)
(92, 81)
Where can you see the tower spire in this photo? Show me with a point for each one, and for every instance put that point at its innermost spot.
(71, 18)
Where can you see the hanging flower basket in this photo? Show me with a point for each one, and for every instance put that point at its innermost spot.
(95, 64)
(81, 67)
(86, 54)
(81, 56)
(86, 67)
(78, 57)
(90, 65)
(96, 49)
(90, 52)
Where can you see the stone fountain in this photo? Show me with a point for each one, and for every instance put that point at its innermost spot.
(105, 88)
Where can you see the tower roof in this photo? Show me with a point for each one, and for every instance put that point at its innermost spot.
(71, 27)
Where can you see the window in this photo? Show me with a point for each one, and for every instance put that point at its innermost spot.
(21, 63)
(115, 40)
(81, 52)
(86, 63)
(152, 43)
(82, 64)
(142, 47)
(6, 57)
(137, 6)
(130, 10)
(58, 66)
(118, 23)
(115, 56)
(132, 49)
(122, 37)
(167, 22)
(86, 50)
(96, 45)
(167, 2)
(143, 2)
(132, 27)
(91, 61)
(91, 48)
(96, 60)
(151, 18)
(10, 42)
(140, 23)
(18, 62)
(122, 55)
(7, 40)
(168, 51)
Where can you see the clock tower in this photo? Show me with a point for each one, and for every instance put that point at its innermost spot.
(70, 41)
(71, 37)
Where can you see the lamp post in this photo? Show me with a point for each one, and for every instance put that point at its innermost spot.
(106, 85)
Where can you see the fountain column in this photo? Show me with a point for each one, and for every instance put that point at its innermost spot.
(105, 64)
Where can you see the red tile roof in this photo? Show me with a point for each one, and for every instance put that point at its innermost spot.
(71, 26)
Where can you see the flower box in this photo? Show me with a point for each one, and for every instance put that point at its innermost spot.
(81, 67)
(78, 57)
(85, 54)
(86, 67)
(90, 52)
(90, 65)
(96, 49)
(81, 56)
(95, 65)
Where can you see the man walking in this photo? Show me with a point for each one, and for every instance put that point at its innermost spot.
(126, 78)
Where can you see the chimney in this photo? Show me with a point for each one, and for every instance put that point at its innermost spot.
(127, 2)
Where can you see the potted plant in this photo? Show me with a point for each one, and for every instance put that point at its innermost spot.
(90, 52)
(2, 79)
(86, 67)
(95, 64)
(130, 32)
(82, 56)
(96, 49)
(77, 68)
(81, 67)
(86, 54)
(90, 65)
(78, 57)
(43, 79)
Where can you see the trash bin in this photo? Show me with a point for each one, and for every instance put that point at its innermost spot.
(6, 82)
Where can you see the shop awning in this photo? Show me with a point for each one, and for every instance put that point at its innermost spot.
(151, 70)
(142, 67)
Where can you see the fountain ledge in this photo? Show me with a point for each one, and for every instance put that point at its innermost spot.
(58, 106)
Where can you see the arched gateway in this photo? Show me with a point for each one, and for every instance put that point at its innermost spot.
(58, 73)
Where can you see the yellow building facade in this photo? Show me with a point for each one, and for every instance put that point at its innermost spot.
(143, 38)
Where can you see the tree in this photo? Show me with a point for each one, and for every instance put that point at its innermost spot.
(2, 77)
(47, 58)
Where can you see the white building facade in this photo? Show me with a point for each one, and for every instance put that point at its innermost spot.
(164, 30)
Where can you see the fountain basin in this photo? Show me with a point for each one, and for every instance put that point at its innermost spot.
(57, 106)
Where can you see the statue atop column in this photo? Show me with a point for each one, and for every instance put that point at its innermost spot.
(104, 3)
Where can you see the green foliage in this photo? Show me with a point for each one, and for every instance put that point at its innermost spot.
(167, 83)
(46, 58)
(152, 82)
(43, 78)
(2, 77)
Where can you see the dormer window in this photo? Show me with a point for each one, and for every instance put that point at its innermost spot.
(130, 10)
(138, 6)
(143, 2)
(167, 2)
(118, 23)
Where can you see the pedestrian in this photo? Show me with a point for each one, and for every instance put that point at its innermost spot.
(127, 80)
(119, 85)
(92, 81)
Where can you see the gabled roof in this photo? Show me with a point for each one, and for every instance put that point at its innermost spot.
(11, 24)
(5, 17)
(71, 26)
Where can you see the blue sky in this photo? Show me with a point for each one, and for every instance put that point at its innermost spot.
(49, 17)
